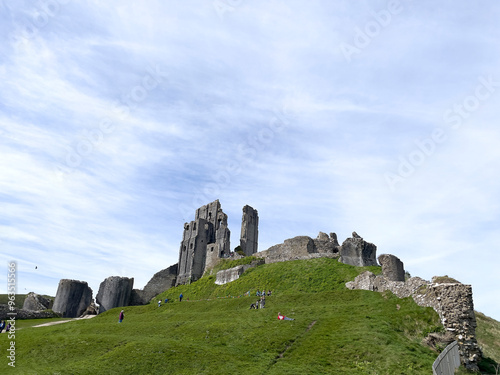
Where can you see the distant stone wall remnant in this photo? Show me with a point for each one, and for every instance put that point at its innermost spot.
(161, 281)
(115, 291)
(36, 302)
(232, 274)
(392, 267)
(302, 247)
(72, 298)
(357, 252)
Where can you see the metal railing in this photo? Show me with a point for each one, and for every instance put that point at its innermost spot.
(447, 361)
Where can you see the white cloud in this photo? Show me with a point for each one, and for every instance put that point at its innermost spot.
(116, 205)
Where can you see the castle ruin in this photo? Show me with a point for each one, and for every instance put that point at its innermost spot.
(249, 231)
(206, 239)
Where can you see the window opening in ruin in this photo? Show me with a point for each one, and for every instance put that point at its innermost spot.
(194, 226)
(191, 246)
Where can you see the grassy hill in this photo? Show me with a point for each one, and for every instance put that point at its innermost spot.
(335, 331)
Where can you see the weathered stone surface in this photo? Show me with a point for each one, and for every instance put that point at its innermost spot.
(249, 237)
(72, 298)
(357, 252)
(364, 281)
(451, 300)
(91, 310)
(232, 274)
(161, 281)
(26, 314)
(326, 244)
(204, 241)
(113, 292)
(300, 247)
(392, 267)
(36, 302)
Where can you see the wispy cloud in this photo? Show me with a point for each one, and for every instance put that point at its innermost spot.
(117, 119)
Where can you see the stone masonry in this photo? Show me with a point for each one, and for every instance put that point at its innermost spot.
(392, 267)
(450, 299)
(72, 298)
(114, 291)
(357, 252)
(249, 231)
(204, 240)
(302, 247)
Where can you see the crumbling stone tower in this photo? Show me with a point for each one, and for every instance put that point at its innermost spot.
(249, 231)
(204, 241)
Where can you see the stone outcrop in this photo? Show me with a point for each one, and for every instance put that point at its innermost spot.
(232, 274)
(449, 298)
(392, 267)
(36, 302)
(113, 292)
(357, 252)
(72, 298)
(302, 247)
(161, 281)
(249, 231)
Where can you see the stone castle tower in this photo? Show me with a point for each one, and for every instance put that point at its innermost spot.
(204, 241)
(249, 231)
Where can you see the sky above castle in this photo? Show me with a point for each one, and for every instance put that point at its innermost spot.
(118, 119)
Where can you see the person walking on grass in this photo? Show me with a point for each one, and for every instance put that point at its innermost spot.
(2, 325)
(180, 298)
(121, 316)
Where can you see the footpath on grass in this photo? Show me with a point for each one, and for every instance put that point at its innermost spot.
(64, 321)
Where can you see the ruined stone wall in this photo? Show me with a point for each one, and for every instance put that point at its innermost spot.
(357, 252)
(25, 314)
(204, 240)
(114, 291)
(249, 237)
(301, 247)
(452, 301)
(161, 281)
(36, 302)
(232, 274)
(72, 298)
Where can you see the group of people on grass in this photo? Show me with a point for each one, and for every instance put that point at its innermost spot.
(3, 326)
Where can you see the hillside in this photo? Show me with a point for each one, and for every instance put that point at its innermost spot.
(335, 331)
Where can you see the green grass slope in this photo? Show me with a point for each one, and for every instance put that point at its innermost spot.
(335, 331)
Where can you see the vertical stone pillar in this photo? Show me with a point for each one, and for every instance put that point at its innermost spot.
(249, 231)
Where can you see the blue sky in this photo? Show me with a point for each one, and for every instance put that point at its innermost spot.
(119, 119)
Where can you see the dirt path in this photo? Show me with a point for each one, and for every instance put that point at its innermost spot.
(64, 321)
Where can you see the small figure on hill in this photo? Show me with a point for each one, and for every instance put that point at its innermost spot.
(166, 300)
(283, 317)
(262, 302)
(121, 316)
(252, 306)
(269, 292)
(159, 303)
(258, 293)
(8, 328)
(180, 297)
(2, 325)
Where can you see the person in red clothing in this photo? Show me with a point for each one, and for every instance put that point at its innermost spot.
(283, 317)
